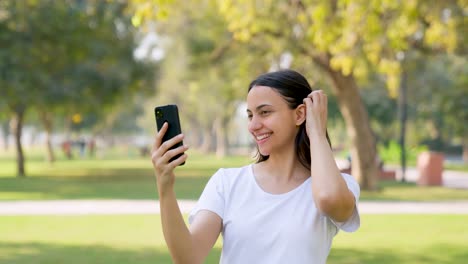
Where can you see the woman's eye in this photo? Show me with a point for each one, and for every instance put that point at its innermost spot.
(264, 112)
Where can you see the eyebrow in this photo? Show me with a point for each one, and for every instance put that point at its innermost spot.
(258, 107)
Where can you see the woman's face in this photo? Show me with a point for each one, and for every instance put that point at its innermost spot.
(271, 122)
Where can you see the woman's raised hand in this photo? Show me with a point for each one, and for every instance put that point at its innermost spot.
(161, 155)
(316, 105)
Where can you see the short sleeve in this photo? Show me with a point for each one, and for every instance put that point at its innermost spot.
(212, 197)
(353, 223)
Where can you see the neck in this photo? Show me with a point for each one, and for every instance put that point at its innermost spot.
(285, 167)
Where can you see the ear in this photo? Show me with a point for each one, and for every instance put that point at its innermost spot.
(301, 114)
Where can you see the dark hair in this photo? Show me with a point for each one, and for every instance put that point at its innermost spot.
(293, 87)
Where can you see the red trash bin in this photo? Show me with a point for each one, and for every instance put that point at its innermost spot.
(430, 168)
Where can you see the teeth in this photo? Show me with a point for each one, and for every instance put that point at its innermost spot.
(260, 137)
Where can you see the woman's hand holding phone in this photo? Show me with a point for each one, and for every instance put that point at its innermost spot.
(161, 156)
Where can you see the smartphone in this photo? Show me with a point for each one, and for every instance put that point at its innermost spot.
(169, 114)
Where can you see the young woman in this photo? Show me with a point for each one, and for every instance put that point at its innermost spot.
(286, 207)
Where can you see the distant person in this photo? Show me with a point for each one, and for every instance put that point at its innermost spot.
(67, 149)
(82, 146)
(284, 208)
(92, 147)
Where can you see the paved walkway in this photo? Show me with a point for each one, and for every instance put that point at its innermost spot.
(109, 207)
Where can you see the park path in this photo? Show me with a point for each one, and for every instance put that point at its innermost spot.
(113, 207)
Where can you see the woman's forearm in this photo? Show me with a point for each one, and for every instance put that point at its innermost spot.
(176, 233)
(331, 194)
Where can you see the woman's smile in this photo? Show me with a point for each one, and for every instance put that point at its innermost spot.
(262, 137)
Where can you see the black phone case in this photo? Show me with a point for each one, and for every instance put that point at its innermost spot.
(169, 114)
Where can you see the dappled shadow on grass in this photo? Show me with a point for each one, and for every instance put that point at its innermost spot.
(437, 253)
(101, 184)
(26, 253)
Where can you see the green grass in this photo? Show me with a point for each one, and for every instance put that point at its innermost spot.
(124, 177)
(138, 239)
(398, 191)
(404, 239)
(457, 166)
(84, 239)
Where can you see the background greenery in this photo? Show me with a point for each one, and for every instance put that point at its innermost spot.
(132, 178)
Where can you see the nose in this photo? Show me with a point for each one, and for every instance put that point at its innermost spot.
(254, 124)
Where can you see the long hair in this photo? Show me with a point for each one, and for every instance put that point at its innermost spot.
(293, 87)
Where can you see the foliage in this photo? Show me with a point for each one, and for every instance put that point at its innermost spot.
(355, 34)
(66, 58)
(437, 91)
(82, 65)
(349, 40)
(203, 71)
(390, 153)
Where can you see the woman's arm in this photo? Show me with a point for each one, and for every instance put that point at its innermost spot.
(330, 191)
(185, 246)
(188, 245)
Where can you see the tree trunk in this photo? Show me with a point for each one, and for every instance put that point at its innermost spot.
(221, 137)
(5, 133)
(363, 149)
(465, 150)
(47, 122)
(16, 127)
(206, 141)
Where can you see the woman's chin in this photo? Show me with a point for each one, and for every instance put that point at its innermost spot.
(264, 152)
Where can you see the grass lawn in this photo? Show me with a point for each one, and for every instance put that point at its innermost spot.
(118, 178)
(138, 239)
(457, 167)
(132, 178)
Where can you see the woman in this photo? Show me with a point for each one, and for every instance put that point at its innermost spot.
(285, 208)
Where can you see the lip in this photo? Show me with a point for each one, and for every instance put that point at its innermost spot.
(260, 141)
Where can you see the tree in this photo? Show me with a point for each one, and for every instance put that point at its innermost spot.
(65, 57)
(346, 38)
(203, 71)
(441, 105)
(4, 123)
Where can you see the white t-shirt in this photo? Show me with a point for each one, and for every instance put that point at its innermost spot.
(260, 227)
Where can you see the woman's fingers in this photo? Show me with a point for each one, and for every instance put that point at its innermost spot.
(159, 136)
(174, 152)
(318, 97)
(315, 96)
(164, 147)
(316, 104)
(162, 152)
(173, 164)
(162, 155)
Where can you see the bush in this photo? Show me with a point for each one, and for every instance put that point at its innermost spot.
(392, 153)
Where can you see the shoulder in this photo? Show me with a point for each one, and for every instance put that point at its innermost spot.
(227, 178)
(232, 174)
(236, 172)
